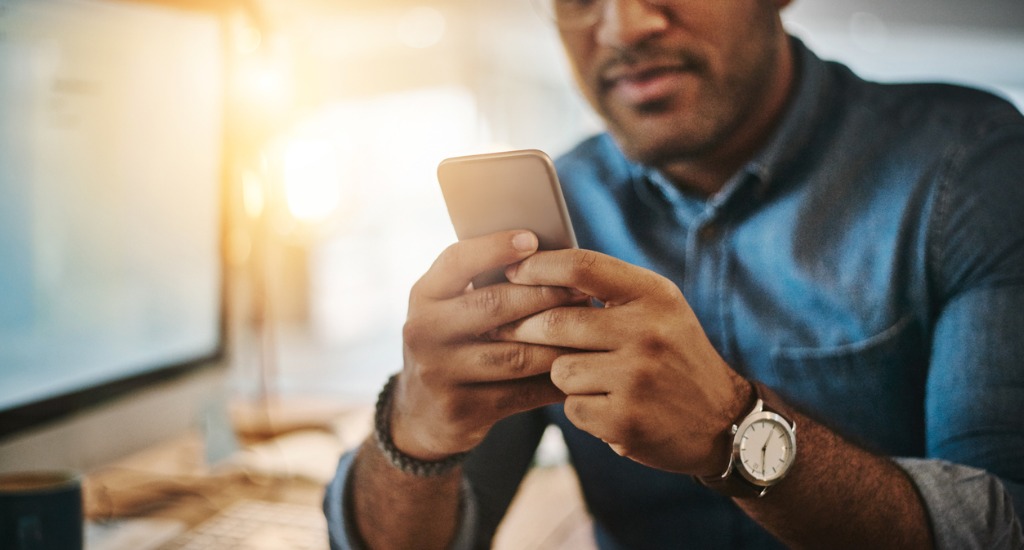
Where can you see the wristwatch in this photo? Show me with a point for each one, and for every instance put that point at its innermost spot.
(763, 449)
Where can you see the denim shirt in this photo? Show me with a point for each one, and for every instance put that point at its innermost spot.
(868, 264)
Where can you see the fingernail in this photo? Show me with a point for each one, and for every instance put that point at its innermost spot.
(524, 241)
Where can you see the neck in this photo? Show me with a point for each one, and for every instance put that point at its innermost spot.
(707, 174)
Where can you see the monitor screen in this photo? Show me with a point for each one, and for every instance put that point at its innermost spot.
(111, 142)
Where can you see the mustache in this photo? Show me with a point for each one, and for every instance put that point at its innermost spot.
(627, 61)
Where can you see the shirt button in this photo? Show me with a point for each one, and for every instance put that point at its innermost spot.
(707, 232)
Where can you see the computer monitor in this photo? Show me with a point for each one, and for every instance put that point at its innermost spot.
(112, 142)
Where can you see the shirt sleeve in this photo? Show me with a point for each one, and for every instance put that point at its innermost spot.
(969, 508)
(344, 536)
(974, 402)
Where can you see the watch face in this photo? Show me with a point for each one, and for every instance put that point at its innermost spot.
(766, 448)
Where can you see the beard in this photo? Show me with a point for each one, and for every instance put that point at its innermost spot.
(698, 119)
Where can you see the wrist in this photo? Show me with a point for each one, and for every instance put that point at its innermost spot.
(411, 464)
(404, 427)
(743, 398)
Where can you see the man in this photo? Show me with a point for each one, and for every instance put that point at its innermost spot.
(765, 232)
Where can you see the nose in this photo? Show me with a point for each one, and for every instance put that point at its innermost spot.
(626, 23)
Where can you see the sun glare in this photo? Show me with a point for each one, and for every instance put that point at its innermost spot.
(312, 182)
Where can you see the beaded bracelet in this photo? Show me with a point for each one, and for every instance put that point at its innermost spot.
(398, 459)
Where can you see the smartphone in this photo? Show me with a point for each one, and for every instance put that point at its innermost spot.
(502, 191)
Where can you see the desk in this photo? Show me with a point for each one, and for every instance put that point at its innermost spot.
(172, 482)
(166, 490)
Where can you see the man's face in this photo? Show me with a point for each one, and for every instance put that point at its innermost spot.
(678, 81)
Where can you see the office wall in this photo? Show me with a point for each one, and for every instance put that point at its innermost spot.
(975, 43)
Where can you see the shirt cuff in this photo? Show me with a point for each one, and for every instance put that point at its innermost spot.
(343, 536)
(969, 508)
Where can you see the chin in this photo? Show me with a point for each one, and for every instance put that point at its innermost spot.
(655, 136)
(658, 148)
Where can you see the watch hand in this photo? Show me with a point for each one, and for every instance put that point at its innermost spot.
(764, 456)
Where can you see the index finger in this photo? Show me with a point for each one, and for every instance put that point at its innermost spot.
(608, 279)
(455, 268)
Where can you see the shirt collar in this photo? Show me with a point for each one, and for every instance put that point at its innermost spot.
(794, 130)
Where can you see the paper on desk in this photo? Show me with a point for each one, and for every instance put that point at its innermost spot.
(306, 454)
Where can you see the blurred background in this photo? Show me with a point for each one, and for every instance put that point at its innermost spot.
(212, 213)
(363, 99)
(163, 159)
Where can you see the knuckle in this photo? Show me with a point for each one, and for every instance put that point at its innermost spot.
(582, 262)
(549, 294)
(518, 358)
(413, 331)
(489, 300)
(423, 331)
(451, 256)
(663, 285)
(563, 369)
(490, 358)
(512, 358)
(418, 294)
(551, 321)
(652, 343)
(416, 290)
(554, 321)
(575, 411)
(643, 384)
(628, 430)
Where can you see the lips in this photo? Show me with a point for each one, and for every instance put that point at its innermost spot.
(645, 83)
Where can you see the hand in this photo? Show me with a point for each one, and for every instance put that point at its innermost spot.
(647, 381)
(456, 382)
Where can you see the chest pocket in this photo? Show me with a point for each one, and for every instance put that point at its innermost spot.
(871, 391)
